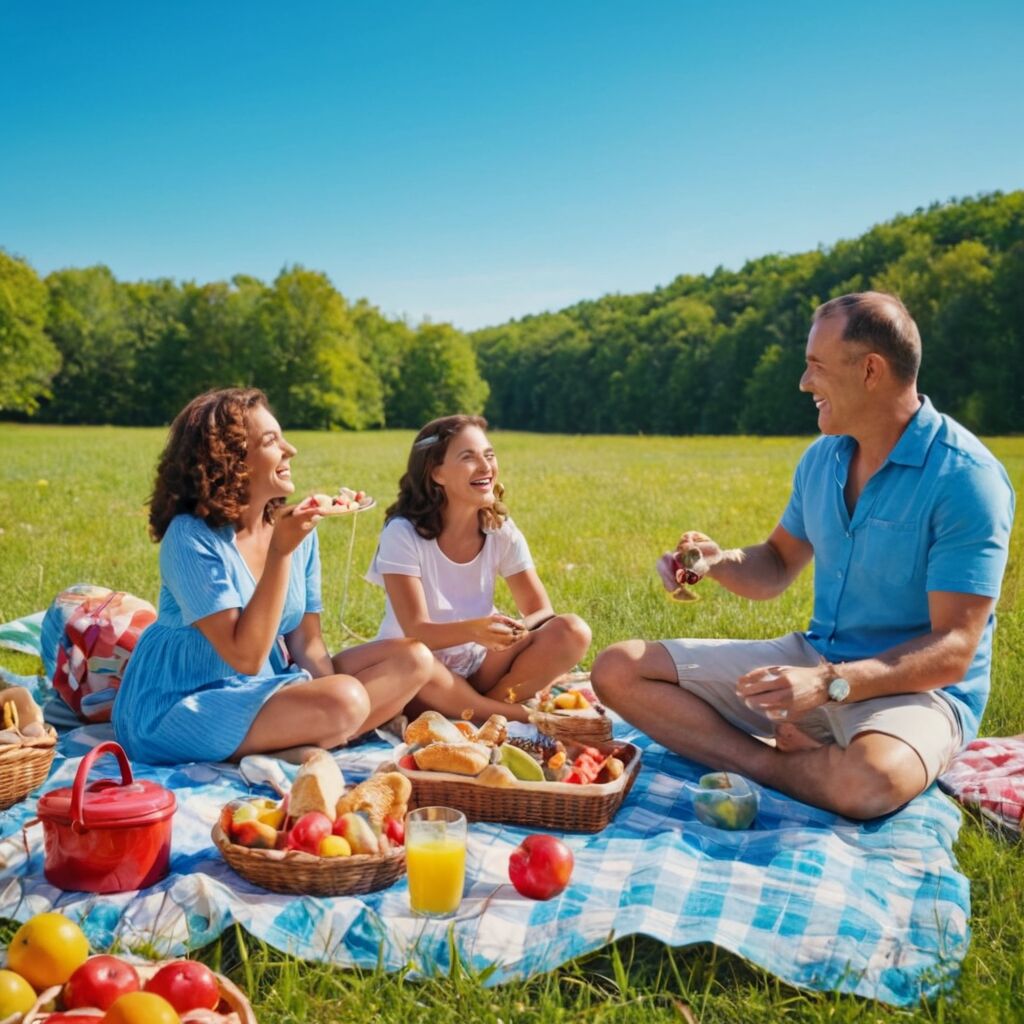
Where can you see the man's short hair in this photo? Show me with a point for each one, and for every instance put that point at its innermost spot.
(881, 322)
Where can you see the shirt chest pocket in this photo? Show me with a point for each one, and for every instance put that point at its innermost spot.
(888, 550)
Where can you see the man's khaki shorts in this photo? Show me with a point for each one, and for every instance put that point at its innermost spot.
(926, 722)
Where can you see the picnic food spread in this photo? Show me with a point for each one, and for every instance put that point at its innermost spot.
(497, 759)
(568, 709)
(318, 817)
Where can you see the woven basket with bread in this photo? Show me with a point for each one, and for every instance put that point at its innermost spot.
(27, 746)
(492, 776)
(323, 839)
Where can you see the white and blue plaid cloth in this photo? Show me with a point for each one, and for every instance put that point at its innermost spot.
(877, 909)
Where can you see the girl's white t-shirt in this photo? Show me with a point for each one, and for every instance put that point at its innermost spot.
(453, 590)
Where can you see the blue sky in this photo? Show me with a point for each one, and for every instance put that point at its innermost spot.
(478, 161)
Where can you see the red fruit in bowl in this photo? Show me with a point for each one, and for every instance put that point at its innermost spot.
(98, 982)
(307, 832)
(186, 985)
(540, 867)
(394, 829)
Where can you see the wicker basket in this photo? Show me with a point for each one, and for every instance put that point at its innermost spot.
(23, 769)
(588, 726)
(562, 806)
(293, 871)
(234, 1007)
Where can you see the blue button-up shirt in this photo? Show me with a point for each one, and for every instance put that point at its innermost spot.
(935, 517)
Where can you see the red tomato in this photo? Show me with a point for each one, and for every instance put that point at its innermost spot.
(540, 867)
(408, 762)
(307, 832)
(186, 985)
(98, 982)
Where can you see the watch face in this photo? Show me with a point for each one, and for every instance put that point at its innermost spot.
(838, 689)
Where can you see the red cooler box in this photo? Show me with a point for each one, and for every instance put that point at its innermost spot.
(108, 836)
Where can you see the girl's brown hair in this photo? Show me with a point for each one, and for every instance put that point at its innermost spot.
(420, 499)
(202, 469)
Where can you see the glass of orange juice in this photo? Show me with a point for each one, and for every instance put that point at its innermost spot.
(435, 855)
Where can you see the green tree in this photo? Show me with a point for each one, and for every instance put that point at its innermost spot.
(28, 359)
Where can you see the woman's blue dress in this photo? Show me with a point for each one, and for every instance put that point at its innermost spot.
(179, 701)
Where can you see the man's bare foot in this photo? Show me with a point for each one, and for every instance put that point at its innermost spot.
(789, 738)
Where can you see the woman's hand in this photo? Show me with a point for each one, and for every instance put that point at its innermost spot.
(292, 524)
(496, 632)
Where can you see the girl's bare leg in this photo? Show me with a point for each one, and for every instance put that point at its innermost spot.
(393, 672)
(452, 695)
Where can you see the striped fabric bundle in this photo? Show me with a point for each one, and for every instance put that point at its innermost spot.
(989, 777)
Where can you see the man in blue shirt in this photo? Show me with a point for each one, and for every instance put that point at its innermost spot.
(907, 517)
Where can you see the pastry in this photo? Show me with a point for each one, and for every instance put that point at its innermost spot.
(493, 731)
(384, 795)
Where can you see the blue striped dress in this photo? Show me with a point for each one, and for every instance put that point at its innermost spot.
(179, 700)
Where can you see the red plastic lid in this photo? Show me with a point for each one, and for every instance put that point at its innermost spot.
(107, 802)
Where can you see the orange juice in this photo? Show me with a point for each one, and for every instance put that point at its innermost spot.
(437, 868)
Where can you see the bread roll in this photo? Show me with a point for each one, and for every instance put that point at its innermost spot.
(432, 727)
(317, 787)
(459, 758)
(494, 731)
(381, 796)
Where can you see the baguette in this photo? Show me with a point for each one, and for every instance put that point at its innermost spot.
(317, 787)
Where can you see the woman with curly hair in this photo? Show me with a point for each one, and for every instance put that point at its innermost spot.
(445, 542)
(236, 663)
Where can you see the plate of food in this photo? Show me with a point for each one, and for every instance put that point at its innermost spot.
(343, 503)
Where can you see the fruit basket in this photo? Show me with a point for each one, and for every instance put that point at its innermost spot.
(24, 769)
(565, 806)
(301, 873)
(234, 1008)
(583, 721)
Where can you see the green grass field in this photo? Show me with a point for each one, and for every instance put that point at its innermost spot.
(597, 512)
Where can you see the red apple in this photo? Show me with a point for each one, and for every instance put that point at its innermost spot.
(186, 985)
(540, 867)
(307, 832)
(394, 829)
(98, 982)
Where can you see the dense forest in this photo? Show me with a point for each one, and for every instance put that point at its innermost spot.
(718, 353)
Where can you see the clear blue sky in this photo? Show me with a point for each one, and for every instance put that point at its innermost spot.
(474, 161)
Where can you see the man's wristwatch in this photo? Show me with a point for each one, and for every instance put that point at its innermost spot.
(838, 687)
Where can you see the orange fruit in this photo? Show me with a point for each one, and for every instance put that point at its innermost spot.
(46, 949)
(16, 994)
(141, 1008)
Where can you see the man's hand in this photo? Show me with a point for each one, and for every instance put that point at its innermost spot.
(708, 548)
(785, 692)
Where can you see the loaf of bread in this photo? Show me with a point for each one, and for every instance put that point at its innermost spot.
(432, 727)
(317, 787)
(460, 758)
(384, 795)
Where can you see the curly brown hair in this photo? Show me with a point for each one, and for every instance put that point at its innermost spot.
(202, 470)
(420, 499)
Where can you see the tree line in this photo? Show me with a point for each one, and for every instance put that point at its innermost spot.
(713, 354)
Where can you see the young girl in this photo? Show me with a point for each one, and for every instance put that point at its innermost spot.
(235, 663)
(445, 542)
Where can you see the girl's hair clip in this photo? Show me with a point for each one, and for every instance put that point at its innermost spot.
(426, 442)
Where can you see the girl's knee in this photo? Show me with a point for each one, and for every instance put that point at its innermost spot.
(416, 660)
(572, 630)
(349, 704)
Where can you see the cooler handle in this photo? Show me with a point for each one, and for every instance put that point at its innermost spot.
(78, 790)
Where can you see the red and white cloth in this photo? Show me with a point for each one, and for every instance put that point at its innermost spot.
(989, 775)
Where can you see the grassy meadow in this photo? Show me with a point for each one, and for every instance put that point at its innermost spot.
(597, 512)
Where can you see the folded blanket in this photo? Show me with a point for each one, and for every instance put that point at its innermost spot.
(989, 777)
(876, 909)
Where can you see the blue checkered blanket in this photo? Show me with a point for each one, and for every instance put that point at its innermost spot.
(876, 909)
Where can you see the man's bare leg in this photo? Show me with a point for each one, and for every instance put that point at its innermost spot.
(875, 775)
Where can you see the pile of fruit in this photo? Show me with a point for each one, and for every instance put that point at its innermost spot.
(320, 818)
(494, 758)
(51, 977)
(565, 697)
(346, 500)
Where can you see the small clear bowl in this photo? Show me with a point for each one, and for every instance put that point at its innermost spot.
(724, 800)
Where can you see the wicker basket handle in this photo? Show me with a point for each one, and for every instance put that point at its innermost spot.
(78, 790)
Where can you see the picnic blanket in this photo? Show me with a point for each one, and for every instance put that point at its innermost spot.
(989, 777)
(877, 909)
